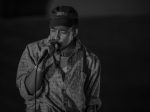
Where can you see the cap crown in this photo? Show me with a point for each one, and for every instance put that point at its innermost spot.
(64, 11)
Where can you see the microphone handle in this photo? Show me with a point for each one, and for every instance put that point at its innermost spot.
(56, 46)
(46, 53)
(44, 56)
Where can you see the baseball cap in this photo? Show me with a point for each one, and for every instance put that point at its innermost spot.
(63, 16)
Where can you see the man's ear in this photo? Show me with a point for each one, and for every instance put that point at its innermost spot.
(75, 32)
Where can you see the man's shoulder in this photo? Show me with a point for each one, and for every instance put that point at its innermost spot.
(87, 51)
(92, 60)
(38, 43)
(90, 54)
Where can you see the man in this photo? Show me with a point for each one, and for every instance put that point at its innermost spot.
(58, 74)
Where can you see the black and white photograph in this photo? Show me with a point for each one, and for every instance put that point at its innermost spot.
(75, 55)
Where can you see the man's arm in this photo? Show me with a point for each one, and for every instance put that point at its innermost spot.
(30, 80)
(92, 86)
(27, 71)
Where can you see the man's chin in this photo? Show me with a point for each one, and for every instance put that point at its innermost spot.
(62, 45)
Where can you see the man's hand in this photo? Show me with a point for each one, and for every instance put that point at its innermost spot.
(43, 54)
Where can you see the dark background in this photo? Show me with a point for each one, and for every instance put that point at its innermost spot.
(118, 31)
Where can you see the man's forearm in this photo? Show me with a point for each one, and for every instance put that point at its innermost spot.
(30, 80)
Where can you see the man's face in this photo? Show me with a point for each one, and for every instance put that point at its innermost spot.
(63, 35)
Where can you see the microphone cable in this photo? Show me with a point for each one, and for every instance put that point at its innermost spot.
(44, 56)
(35, 85)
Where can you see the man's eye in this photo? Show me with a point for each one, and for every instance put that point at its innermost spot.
(64, 32)
(52, 29)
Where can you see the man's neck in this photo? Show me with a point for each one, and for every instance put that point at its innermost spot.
(69, 48)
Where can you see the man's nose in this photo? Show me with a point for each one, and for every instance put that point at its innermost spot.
(57, 35)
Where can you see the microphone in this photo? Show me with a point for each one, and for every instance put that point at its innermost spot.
(55, 48)
(55, 45)
(45, 54)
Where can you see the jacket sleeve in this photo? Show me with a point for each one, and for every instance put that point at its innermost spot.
(92, 87)
(26, 66)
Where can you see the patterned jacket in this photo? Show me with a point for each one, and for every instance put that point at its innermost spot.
(75, 90)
